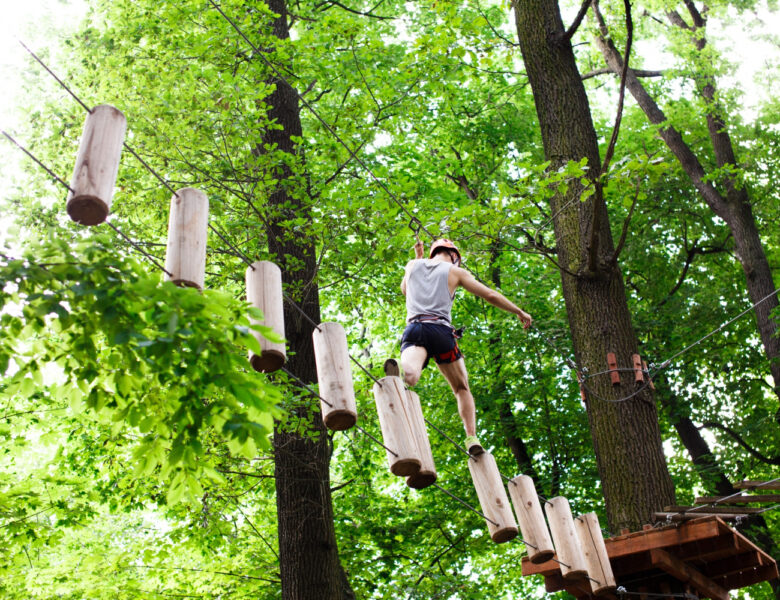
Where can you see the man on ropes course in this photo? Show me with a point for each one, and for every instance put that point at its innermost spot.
(429, 286)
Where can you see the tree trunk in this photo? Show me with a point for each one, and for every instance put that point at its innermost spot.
(308, 553)
(626, 435)
(734, 208)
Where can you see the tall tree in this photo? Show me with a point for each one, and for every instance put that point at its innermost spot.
(625, 433)
(718, 180)
(308, 552)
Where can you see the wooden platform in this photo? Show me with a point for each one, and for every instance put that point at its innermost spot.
(704, 556)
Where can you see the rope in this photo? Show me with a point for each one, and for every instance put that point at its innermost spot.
(40, 164)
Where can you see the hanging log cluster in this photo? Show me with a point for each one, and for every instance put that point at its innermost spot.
(403, 429)
(580, 546)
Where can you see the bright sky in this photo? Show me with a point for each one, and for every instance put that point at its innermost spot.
(39, 24)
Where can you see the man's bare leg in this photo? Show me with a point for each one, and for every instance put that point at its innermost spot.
(456, 375)
(412, 361)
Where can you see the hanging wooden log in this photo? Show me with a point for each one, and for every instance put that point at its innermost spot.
(334, 376)
(567, 542)
(492, 497)
(264, 292)
(594, 552)
(529, 513)
(188, 222)
(427, 474)
(392, 405)
(97, 165)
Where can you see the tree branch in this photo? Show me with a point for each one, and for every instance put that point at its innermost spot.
(626, 222)
(333, 3)
(606, 70)
(738, 438)
(577, 21)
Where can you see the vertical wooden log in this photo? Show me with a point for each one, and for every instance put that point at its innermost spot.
(188, 222)
(595, 553)
(334, 376)
(567, 542)
(395, 420)
(97, 165)
(427, 474)
(529, 513)
(639, 375)
(492, 497)
(264, 292)
(614, 375)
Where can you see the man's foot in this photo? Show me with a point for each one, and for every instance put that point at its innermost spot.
(391, 367)
(473, 445)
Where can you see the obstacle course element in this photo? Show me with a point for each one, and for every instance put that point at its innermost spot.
(337, 394)
(185, 259)
(97, 165)
(427, 474)
(264, 292)
(492, 497)
(397, 422)
(564, 535)
(595, 553)
(533, 527)
(705, 556)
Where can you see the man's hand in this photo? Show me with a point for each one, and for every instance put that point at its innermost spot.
(419, 249)
(525, 318)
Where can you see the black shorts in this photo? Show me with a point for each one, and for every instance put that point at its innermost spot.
(438, 340)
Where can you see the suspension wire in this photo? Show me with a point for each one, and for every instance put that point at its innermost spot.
(327, 126)
(40, 164)
(621, 591)
(466, 504)
(57, 79)
(235, 250)
(668, 361)
(135, 245)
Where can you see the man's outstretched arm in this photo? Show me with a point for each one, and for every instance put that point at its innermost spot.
(497, 299)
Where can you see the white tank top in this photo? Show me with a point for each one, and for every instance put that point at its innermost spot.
(428, 293)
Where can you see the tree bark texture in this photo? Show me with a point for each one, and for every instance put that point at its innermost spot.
(734, 207)
(626, 436)
(308, 553)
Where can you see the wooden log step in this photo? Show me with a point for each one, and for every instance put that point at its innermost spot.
(334, 376)
(567, 543)
(676, 516)
(741, 499)
(531, 519)
(760, 485)
(492, 497)
(393, 408)
(714, 510)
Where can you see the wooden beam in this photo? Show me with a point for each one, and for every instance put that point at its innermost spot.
(741, 499)
(713, 510)
(761, 485)
(685, 573)
(746, 578)
(733, 564)
(676, 517)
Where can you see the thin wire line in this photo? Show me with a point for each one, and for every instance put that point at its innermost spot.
(321, 120)
(466, 504)
(159, 177)
(294, 304)
(724, 498)
(65, 87)
(366, 371)
(139, 249)
(40, 164)
(236, 251)
(364, 432)
(666, 363)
